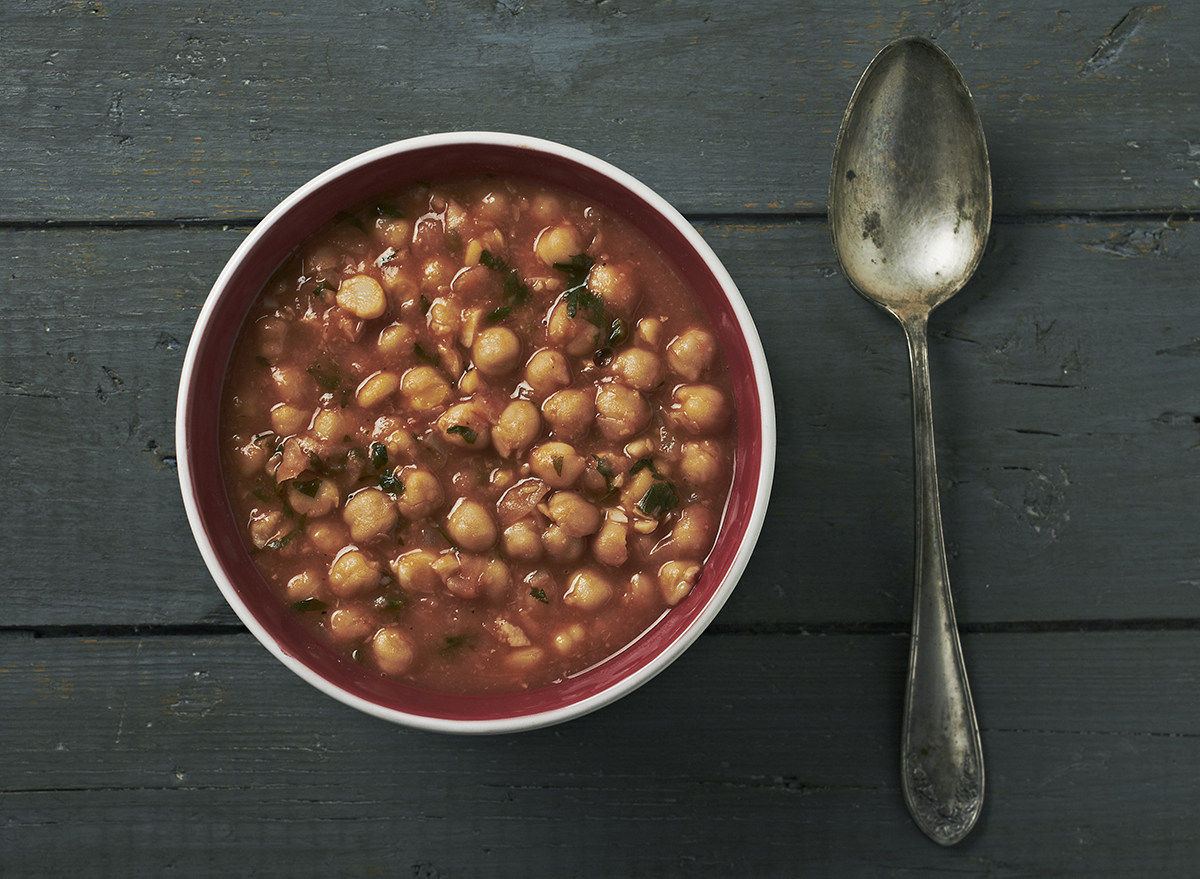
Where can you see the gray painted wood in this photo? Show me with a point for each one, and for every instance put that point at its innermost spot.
(1064, 395)
(145, 733)
(764, 756)
(218, 110)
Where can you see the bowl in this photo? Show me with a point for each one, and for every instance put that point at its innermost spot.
(209, 512)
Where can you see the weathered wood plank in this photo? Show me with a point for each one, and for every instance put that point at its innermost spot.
(217, 110)
(1066, 416)
(765, 756)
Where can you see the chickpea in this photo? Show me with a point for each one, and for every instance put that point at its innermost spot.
(694, 532)
(329, 424)
(421, 496)
(250, 457)
(287, 419)
(399, 282)
(557, 464)
(370, 513)
(519, 426)
(573, 513)
(348, 624)
(471, 526)
(700, 461)
(547, 371)
(395, 340)
(524, 658)
(609, 545)
(495, 580)
(304, 585)
(496, 351)
(362, 296)
(649, 332)
(271, 334)
(575, 335)
(615, 284)
(392, 650)
(424, 388)
(642, 589)
(328, 535)
(376, 388)
(569, 639)
(293, 384)
(570, 413)
(676, 579)
(557, 244)
(313, 498)
(437, 273)
(267, 525)
(621, 411)
(690, 354)
(561, 546)
(415, 572)
(589, 590)
(393, 232)
(699, 409)
(522, 541)
(352, 572)
(495, 206)
(639, 368)
(466, 426)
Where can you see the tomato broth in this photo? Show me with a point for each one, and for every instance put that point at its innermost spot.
(479, 434)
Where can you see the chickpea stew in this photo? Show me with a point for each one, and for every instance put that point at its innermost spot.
(479, 434)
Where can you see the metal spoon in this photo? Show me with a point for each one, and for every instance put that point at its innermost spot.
(910, 205)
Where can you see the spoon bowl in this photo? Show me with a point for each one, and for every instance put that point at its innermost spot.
(910, 206)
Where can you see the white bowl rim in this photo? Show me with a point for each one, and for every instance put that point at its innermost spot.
(754, 523)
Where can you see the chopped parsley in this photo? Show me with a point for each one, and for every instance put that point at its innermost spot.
(326, 378)
(455, 642)
(391, 483)
(379, 455)
(307, 487)
(309, 604)
(557, 461)
(660, 498)
(389, 210)
(539, 594)
(578, 297)
(516, 292)
(465, 432)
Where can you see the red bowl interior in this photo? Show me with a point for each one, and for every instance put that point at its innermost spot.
(229, 302)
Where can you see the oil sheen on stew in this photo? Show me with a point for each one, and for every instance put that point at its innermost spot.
(479, 434)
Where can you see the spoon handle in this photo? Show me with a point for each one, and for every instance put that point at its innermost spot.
(941, 758)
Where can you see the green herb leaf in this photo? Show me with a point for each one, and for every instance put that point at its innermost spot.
(281, 542)
(465, 432)
(389, 210)
(307, 487)
(379, 455)
(499, 314)
(425, 304)
(455, 642)
(309, 604)
(262, 361)
(660, 498)
(578, 297)
(389, 482)
(327, 379)
(557, 461)
(539, 594)
(642, 464)
(516, 292)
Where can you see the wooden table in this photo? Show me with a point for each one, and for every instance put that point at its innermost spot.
(144, 732)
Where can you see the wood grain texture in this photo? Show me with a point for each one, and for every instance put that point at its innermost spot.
(765, 756)
(218, 110)
(1066, 416)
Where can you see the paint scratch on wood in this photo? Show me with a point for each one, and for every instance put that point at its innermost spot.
(1131, 243)
(1112, 44)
